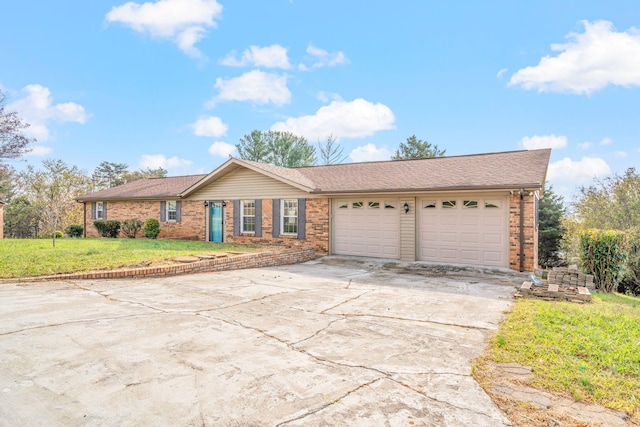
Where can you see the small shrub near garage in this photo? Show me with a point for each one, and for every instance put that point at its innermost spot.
(108, 228)
(74, 230)
(151, 228)
(603, 253)
(131, 227)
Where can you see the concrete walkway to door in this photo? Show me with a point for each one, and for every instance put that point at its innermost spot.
(328, 342)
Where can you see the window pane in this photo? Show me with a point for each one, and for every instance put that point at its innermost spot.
(357, 205)
(492, 204)
(248, 216)
(290, 216)
(470, 204)
(343, 205)
(374, 205)
(389, 205)
(249, 224)
(429, 205)
(171, 210)
(448, 204)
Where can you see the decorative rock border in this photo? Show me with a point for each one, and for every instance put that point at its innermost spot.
(206, 264)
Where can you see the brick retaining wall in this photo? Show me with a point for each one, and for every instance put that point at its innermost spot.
(268, 258)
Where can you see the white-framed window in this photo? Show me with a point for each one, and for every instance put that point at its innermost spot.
(343, 205)
(492, 204)
(389, 205)
(357, 205)
(430, 204)
(99, 210)
(449, 204)
(374, 205)
(172, 211)
(248, 216)
(289, 217)
(470, 204)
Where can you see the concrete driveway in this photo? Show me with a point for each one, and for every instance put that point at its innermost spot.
(328, 342)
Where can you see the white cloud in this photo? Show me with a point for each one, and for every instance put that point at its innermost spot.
(543, 141)
(323, 58)
(621, 153)
(38, 110)
(39, 151)
(606, 141)
(577, 171)
(587, 62)
(274, 56)
(502, 72)
(209, 126)
(221, 149)
(584, 145)
(155, 161)
(185, 22)
(256, 86)
(342, 119)
(369, 153)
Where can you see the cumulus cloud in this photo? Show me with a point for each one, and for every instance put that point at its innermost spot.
(185, 22)
(255, 86)
(592, 60)
(221, 149)
(209, 126)
(39, 151)
(606, 141)
(155, 161)
(543, 141)
(323, 58)
(369, 153)
(342, 119)
(580, 171)
(38, 109)
(274, 56)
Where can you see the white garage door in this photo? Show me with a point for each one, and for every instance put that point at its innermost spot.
(367, 227)
(466, 230)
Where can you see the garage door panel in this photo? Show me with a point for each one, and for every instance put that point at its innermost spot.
(369, 230)
(467, 233)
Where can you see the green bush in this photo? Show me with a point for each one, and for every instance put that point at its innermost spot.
(151, 228)
(630, 283)
(74, 230)
(603, 253)
(58, 234)
(108, 228)
(131, 227)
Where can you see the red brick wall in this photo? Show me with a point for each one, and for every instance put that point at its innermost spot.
(530, 233)
(317, 227)
(191, 226)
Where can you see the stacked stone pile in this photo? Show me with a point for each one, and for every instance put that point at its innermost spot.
(570, 277)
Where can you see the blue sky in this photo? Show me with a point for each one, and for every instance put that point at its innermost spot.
(177, 83)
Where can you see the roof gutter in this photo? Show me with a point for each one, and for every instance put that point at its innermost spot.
(413, 190)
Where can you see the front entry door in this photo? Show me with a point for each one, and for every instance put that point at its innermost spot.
(216, 222)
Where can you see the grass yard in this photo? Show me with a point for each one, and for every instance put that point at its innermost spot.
(590, 352)
(35, 257)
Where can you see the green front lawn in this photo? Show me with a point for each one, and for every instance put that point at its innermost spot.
(34, 257)
(590, 352)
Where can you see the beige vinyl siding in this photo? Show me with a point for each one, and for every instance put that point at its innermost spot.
(247, 184)
(408, 230)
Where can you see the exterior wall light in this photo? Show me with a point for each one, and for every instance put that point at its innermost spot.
(206, 203)
(406, 207)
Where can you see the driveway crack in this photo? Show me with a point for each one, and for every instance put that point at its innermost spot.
(316, 410)
(346, 301)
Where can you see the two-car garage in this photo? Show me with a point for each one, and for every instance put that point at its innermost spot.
(447, 228)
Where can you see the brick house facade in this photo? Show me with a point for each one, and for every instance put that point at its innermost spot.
(477, 209)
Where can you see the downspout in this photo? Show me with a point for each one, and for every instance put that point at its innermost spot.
(84, 220)
(521, 230)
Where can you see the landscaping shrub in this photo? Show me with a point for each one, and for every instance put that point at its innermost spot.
(151, 228)
(108, 228)
(630, 283)
(603, 253)
(131, 227)
(74, 230)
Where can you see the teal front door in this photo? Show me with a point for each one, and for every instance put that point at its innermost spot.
(216, 222)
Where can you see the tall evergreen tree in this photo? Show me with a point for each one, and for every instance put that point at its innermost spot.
(416, 148)
(550, 229)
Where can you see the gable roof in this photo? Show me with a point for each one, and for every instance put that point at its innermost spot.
(504, 170)
(145, 189)
(513, 169)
